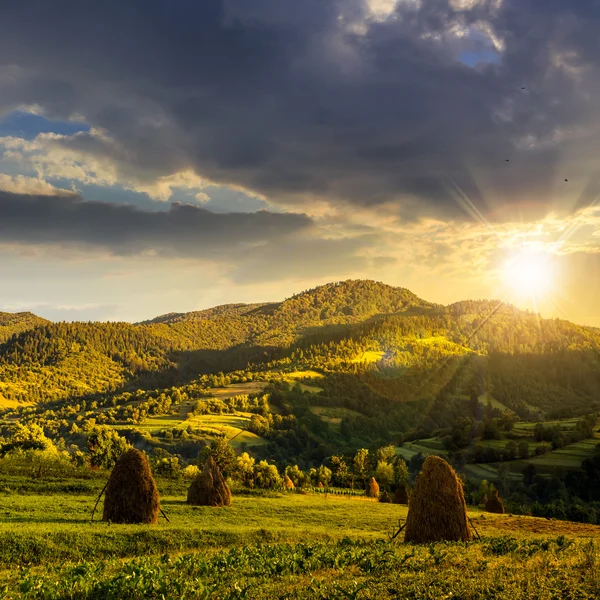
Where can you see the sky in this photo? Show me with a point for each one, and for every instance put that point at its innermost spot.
(170, 155)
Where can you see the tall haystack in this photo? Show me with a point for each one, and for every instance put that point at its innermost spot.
(401, 495)
(131, 493)
(437, 510)
(288, 484)
(494, 504)
(372, 490)
(209, 488)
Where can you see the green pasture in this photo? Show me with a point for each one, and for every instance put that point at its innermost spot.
(333, 414)
(370, 356)
(283, 546)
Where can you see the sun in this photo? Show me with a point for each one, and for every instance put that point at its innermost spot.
(529, 274)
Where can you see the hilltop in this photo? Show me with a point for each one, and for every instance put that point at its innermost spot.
(335, 328)
(14, 323)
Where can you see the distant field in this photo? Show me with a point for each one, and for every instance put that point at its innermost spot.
(302, 375)
(333, 414)
(427, 446)
(370, 356)
(6, 403)
(237, 389)
(486, 398)
(231, 427)
(528, 427)
(293, 379)
(569, 457)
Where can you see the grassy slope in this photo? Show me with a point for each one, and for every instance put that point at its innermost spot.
(233, 427)
(332, 547)
(569, 457)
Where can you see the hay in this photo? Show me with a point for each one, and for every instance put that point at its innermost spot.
(209, 488)
(401, 495)
(494, 504)
(288, 484)
(131, 493)
(385, 497)
(372, 490)
(437, 510)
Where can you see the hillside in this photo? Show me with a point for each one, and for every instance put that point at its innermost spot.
(329, 329)
(14, 323)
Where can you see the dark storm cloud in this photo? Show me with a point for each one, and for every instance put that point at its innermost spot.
(183, 231)
(315, 98)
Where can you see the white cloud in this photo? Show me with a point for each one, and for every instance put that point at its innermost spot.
(20, 184)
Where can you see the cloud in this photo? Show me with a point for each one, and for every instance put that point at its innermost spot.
(20, 184)
(182, 231)
(347, 102)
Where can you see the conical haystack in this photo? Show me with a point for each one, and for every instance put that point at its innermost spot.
(437, 510)
(372, 490)
(385, 497)
(131, 493)
(209, 488)
(401, 495)
(288, 484)
(494, 504)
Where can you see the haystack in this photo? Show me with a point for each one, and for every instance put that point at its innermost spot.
(494, 504)
(209, 488)
(437, 510)
(385, 497)
(131, 493)
(401, 495)
(288, 484)
(372, 490)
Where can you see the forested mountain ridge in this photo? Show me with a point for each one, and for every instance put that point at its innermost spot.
(13, 323)
(403, 347)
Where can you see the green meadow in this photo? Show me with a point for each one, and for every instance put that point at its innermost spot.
(282, 546)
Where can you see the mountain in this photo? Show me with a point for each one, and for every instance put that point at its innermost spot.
(356, 333)
(13, 323)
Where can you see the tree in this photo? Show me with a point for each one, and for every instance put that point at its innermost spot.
(296, 475)
(384, 473)
(361, 461)
(401, 474)
(266, 476)
(491, 430)
(105, 446)
(523, 449)
(324, 475)
(28, 437)
(510, 450)
(223, 454)
(339, 470)
(245, 469)
(386, 453)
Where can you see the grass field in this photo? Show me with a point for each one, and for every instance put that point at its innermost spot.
(333, 547)
(232, 427)
(426, 446)
(370, 356)
(569, 457)
(333, 414)
(295, 375)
